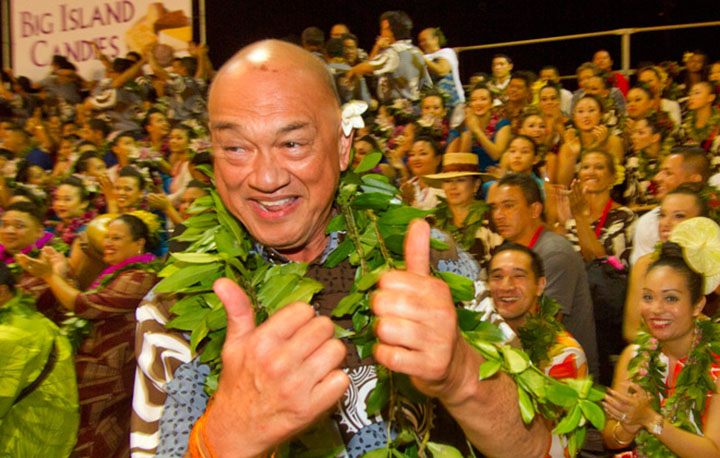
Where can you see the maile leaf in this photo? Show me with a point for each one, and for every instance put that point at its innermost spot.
(489, 368)
(379, 453)
(461, 287)
(515, 360)
(368, 162)
(196, 258)
(527, 410)
(443, 451)
(187, 276)
(570, 422)
(348, 304)
(594, 413)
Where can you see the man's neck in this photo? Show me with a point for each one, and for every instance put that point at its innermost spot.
(526, 237)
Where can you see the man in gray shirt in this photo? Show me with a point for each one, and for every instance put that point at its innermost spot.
(516, 208)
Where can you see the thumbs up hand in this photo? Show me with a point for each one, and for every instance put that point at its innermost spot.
(277, 378)
(417, 325)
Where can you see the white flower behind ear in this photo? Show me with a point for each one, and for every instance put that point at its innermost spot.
(352, 115)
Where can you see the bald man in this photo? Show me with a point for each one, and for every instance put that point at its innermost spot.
(279, 150)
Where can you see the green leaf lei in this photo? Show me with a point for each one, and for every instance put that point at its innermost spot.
(374, 222)
(688, 401)
(540, 331)
(464, 235)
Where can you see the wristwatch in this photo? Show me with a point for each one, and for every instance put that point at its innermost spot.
(657, 425)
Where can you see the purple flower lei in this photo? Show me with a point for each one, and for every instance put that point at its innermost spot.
(144, 258)
(8, 258)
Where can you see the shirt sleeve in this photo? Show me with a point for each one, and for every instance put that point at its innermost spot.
(120, 296)
(385, 62)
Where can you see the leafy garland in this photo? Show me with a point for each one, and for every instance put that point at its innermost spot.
(689, 398)
(701, 135)
(540, 331)
(374, 222)
(465, 234)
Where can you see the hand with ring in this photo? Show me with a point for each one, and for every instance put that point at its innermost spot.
(630, 405)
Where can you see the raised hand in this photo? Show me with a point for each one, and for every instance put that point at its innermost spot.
(416, 323)
(277, 378)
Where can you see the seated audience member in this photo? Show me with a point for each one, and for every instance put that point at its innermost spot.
(124, 149)
(674, 362)
(516, 280)
(604, 63)
(702, 122)
(519, 96)
(682, 165)
(587, 134)
(613, 115)
(460, 214)
(501, 66)
(584, 73)
(179, 160)
(129, 191)
(423, 159)
(367, 144)
(642, 163)
(485, 131)
(71, 204)
(65, 158)
(520, 157)
(601, 230)
(105, 361)
(680, 204)
(598, 226)
(550, 76)
(22, 231)
(348, 89)
(516, 210)
(39, 399)
(654, 78)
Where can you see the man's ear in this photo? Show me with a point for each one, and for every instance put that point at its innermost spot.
(542, 283)
(536, 208)
(344, 147)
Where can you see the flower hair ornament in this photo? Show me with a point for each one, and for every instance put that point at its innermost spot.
(700, 241)
(150, 220)
(352, 115)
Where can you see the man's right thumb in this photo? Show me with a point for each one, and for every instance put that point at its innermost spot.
(240, 315)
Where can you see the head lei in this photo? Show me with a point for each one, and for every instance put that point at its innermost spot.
(151, 221)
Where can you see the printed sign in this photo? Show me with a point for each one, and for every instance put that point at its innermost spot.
(42, 28)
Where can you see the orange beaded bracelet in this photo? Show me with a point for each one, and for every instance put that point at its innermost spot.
(198, 438)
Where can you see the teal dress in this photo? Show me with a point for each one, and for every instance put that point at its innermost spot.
(42, 421)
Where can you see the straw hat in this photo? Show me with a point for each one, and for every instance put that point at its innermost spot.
(456, 165)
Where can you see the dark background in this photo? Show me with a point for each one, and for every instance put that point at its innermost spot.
(233, 24)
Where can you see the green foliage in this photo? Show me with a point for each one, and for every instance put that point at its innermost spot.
(374, 223)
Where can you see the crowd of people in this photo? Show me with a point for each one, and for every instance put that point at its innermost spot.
(588, 218)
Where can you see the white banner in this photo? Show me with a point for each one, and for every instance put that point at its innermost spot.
(42, 28)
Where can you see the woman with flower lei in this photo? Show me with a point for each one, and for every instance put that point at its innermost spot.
(665, 382)
(71, 204)
(105, 361)
(642, 162)
(22, 233)
(460, 214)
(484, 132)
(701, 126)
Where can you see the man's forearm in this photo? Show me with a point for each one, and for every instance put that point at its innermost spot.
(488, 412)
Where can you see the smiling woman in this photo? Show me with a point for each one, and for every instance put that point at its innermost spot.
(105, 361)
(650, 401)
